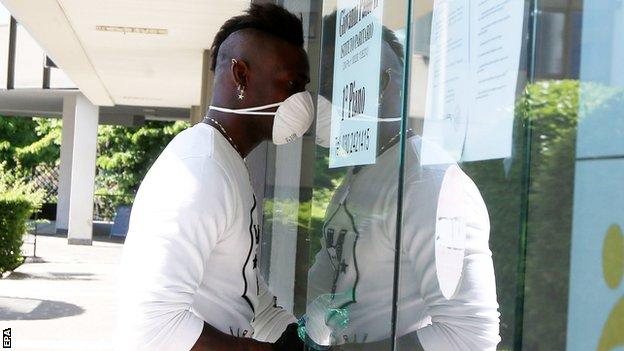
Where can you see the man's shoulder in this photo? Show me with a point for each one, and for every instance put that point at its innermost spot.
(187, 161)
(202, 143)
(194, 142)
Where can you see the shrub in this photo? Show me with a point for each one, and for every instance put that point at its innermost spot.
(17, 201)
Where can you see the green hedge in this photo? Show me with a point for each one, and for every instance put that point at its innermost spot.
(17, 202)
(13, 215)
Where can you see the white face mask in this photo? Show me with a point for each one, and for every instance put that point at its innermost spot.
(323, 121)
(292, 118)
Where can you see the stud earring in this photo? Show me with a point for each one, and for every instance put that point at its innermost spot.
(241, 92)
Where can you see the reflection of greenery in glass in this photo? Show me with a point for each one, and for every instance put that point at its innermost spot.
(556, 109)
(553, 108)
(309, 217)
(326, 181)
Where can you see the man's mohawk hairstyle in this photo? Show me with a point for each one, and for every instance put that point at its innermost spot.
(270, 19)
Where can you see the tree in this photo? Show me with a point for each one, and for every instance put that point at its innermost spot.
(125, 154)
(26, 142)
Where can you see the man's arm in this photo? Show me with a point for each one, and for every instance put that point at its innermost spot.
(270, 323)
(161, 269)
(173, 230)
(469, 320)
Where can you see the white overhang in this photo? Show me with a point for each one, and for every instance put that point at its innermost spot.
(128, 52)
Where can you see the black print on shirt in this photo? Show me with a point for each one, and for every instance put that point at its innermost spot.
(340, 245)
(240, 333)
(254, 235)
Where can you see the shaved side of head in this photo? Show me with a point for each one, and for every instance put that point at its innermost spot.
(269, 20)
(250, 45)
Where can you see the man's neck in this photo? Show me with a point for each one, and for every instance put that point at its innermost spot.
(238, 130)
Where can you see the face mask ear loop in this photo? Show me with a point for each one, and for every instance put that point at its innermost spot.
(264, 107)
(249, 110)
(258, 108)
(241, 112)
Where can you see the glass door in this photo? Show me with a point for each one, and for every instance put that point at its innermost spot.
(353, 219)
(464, 192)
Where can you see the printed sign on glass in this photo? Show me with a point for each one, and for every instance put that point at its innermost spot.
(357, 61)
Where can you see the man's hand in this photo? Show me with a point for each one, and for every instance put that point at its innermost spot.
(289, 341)
(211, 339)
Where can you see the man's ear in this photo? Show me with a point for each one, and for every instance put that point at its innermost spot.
(386, 76)
(240, 72)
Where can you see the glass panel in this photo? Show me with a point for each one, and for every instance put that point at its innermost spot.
(5, 19)
(551, 105)
(511, 191)
(463, 177)
(575, 246)
(288, 190)
(29, 59)
(355, 196)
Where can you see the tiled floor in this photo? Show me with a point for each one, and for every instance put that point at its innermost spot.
(64, 299)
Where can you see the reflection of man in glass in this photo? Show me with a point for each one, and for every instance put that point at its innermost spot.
(444, 235)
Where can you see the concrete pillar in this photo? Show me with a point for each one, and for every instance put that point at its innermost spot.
(77, 171)
(199, 111)
(196, 115)
(64, 186)
(207, 83)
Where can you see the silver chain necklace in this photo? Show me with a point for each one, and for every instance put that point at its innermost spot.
(393, 139)
(225, 133)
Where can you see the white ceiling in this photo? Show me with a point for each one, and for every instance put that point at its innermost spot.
(131, 68)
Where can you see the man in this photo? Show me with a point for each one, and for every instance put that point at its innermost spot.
(188, 278)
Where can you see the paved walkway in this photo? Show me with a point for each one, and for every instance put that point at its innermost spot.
(65, 299)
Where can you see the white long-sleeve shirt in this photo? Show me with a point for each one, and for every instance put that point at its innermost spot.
(354, 270)
(190, 252)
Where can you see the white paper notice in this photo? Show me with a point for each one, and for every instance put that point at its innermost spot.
(473, 72)
(355, 98)
(446, 113)
(496, 38)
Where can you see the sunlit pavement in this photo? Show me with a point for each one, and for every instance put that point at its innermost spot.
(65, 299)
